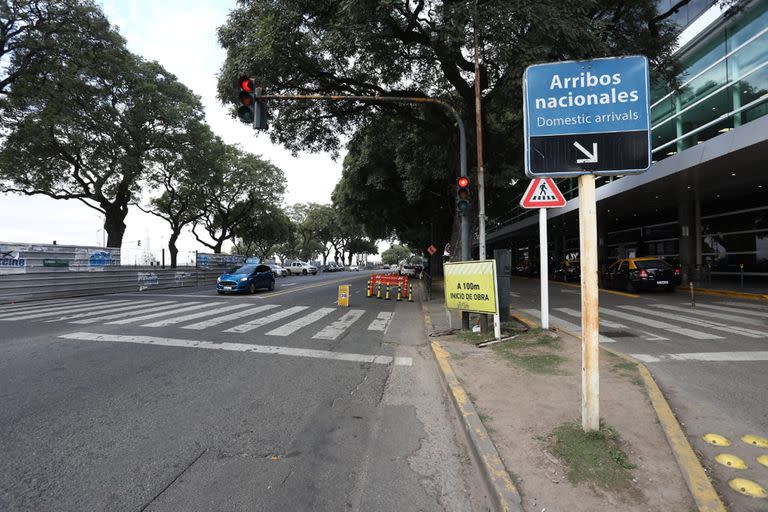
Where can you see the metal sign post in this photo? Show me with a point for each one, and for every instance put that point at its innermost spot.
(587, 118)
(542, 193)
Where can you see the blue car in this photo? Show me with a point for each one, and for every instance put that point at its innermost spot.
(247, 278)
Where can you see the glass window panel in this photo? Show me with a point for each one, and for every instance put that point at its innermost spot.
(703, 85)
(709, 53)
(748, 58)
(663, 110)
(752, 87)
(747, 24)
(737, 222)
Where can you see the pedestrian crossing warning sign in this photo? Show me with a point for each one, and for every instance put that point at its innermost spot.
(344, 295)
(542, 193)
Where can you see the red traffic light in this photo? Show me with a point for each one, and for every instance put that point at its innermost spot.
(463, 182)
(246, 84)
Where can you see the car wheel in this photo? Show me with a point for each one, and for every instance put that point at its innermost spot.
(314, 273)
(304, 272)
(285, 275)
(631, 287)
(220, 292)
(252, 288)
(272, 285)
(669, 289)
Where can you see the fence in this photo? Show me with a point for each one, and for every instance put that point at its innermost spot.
(43, 271)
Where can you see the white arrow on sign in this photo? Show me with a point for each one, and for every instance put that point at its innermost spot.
(591, 157)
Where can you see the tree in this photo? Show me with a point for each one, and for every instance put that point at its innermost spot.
(418, 48)
(304, 217)
(182, 178)
(93, 132)
(242, 185)
(361, 246)
(395, 254)
(263, 232)
(36, 33)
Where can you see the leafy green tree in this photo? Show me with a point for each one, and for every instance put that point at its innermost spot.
(242, 185)
(304, 217)
(396, 254)
(37, 33)
(263, 232)
(181, 175)
(418, 48)
(93, 132)
(360, 246)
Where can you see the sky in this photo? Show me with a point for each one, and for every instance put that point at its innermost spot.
(180, 35)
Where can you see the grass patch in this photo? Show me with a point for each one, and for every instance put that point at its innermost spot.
(594, 457)
(533, 351)
(474, 337)
(624, 368)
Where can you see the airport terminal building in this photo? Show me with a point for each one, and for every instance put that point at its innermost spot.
(703, 204)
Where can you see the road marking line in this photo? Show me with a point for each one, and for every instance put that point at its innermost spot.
(334, 330)
(699, 321)
(566, 325)
(241, 347)
(226, 318)
(711, 314)
(760, 307)
(42, 304)
(55, 309)
(258, 322)
(661, 325)
(606, 323)
(291, 327)
(141, 318)
(704, 356)
(130, 307)
(154, 307)
(195, 316)
(740, 311)
(382, 321)
(71, 309)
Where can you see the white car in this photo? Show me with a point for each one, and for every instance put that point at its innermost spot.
(354, 268)
(278, 270)
(302, 268)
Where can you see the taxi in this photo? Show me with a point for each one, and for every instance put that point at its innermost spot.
(648, 273)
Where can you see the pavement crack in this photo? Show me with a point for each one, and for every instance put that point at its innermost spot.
(184, 470)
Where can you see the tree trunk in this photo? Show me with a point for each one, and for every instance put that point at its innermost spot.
(114, 224)
(172, 250)
(217, 248)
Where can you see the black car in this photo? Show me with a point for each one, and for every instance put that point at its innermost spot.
(568, 270)
(632, 274)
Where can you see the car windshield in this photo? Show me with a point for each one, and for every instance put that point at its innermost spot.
(245, 269)
(652, 264)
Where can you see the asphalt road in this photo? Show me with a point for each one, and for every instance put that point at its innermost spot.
(710, 360)
(185, 400)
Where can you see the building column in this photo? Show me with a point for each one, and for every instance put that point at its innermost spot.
(689, 217)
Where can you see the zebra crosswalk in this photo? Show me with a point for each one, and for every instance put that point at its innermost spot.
(239, 318)
(657, 322)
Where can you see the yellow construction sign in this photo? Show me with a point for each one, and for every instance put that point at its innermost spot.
(344, 295)
(471, 286)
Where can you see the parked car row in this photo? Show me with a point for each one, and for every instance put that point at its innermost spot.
(630, 274)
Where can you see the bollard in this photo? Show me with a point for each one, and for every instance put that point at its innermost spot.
(368, 291)
(693, 301)
(378, 291)
(387, 297)
(410, 292)
(399, 294)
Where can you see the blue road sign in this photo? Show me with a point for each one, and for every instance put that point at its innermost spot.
(587, 117)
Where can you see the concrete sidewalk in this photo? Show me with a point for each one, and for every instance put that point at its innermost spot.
(519, 408)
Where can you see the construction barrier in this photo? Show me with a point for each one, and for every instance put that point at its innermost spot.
(377, 281)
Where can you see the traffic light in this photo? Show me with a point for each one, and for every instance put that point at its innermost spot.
(462, 195)
(247, 98)
(251, 110)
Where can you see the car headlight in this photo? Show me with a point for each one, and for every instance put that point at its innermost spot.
(218, 279)
(242, 279)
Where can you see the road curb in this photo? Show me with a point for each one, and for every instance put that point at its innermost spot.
(729, 293)
(503, 489)
(699, 484)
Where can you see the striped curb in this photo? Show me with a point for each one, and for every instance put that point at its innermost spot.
(497, 478)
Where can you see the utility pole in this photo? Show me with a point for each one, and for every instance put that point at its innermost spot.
(480, 171)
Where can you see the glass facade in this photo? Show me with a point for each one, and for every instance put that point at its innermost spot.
(724, 85)
(735, 239)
